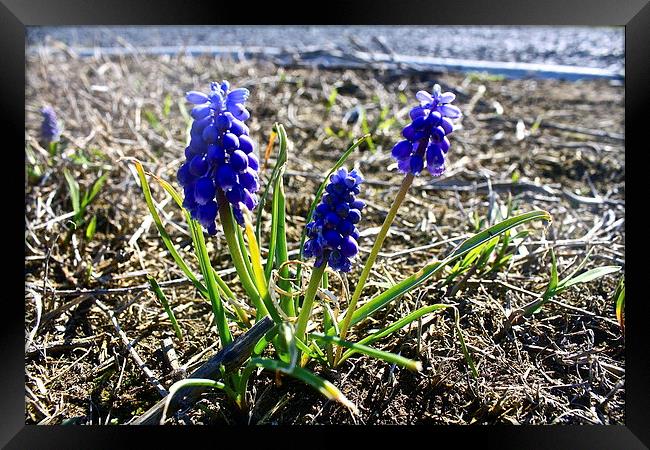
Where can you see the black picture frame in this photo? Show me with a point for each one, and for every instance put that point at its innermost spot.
(16, 15)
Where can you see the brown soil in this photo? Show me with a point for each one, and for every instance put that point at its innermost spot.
(564, 365)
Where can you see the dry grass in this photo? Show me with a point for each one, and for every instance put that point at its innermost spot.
(564, 365)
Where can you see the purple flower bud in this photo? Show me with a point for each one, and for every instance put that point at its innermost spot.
(210, 134)
(198, 98)
(230, 141)
(199, 166)
(245, 144)
(216, 154)
(402, 149)
(204, 190)
(253, 162)
(417, 164)
(248, 180)
(349, 247)
(183, 175)
(238, 161)
(201, 111)
(226, 177)
(354, 215)
(237, 127)
(223, 123)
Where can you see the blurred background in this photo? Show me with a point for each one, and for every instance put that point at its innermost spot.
(493, 48)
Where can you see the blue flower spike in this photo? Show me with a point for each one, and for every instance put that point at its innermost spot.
(332, 234)
(220, 156)
(50, 130)
(425, 138)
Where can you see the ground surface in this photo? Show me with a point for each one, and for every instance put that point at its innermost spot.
(566, 364)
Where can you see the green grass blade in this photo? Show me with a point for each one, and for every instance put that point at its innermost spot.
(91, 228)
(587, 276)
(553, 282)
(323, 386)
(192, 225)
(415, 315)
(392, 358)
(180, 262)
(188, 382)
(619, 295)
(282, 255)
(463, 345)
(73, 190)
(279, 163)
(94, 190)
(430, 269)
(163, 299)
(211, 283)
(243, 251)
(499, 228)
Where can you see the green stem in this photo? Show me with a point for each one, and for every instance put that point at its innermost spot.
(235, 252)
(408, 180)
(308, 302)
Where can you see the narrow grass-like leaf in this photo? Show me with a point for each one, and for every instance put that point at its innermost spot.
(163, 299)
(282, 253)
(277, 221)
(587, 276)
(188, 382)
(94, 190)
(180, 262)
(429, 270)
(463, 346)
(194, 226)
(380, 354)
(552, 284)
(73, 190)
(91, 228)
(213, 293)
(415, 315)
(619, 295)
(323, 386)
(279, 131)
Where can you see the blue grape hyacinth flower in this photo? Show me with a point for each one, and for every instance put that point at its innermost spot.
(50, 130)
(425, 138)
(332, 233)
(220, 156)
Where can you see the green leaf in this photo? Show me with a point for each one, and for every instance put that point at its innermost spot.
(97, 186)
(415, 315)
(392, 358)
(192, 225)
(429, 270)
(211, 283)
(180, 262)
(331, 99)
(163, 299)
(188, 382)
(167, 105)
(587, 276)
(619, 295)
(90, 229)
(323, 386)
(73, 190)
(279, 163)
(551, 289)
